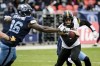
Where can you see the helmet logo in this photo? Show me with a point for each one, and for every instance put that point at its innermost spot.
(67, 14)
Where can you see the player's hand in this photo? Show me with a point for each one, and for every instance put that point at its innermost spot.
(64, 29)
(95, 34)
(76, 32)
(12, 38)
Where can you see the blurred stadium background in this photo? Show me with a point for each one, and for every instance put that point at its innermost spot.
(48, 12)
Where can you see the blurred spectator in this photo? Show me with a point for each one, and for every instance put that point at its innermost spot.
(75, 7)
(72, 8)
(37, 8)
(47, 2)
(83, 6)
(64, 2)
(91, 5)
(2, 8)
(75, 13)
(76, 2)
(73, 2)
(50, 9)
(31, 2)
(37, 5)
(69, 7)
(10, 11)
(88, 5)
(97, 7)
(40, 21)
(17, 2)
(61, 9)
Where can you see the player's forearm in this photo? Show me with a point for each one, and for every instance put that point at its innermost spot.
(45, 29)
(84, 22)
(3, 35)
(50, 29)
(88, 24)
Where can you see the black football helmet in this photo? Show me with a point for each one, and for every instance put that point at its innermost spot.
(24, 9)
(68, 15)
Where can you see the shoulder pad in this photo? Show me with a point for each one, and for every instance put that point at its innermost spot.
(33, 21)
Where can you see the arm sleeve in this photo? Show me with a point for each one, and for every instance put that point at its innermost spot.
(88, 24)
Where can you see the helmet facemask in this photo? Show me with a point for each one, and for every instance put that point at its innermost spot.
(68, 19)
(24, 10)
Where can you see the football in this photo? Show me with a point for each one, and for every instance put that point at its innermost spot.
(71, 34)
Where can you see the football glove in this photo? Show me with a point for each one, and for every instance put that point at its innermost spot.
(12, 38)
(7, 18)
(64, 29)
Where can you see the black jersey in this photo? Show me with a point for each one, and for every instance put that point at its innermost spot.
(18, 28)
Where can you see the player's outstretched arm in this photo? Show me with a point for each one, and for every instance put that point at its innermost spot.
(44, 28)
(3, 35)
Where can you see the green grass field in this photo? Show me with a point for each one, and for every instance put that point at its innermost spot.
(48, 57)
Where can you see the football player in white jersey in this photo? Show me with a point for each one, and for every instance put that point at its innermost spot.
(71, 46)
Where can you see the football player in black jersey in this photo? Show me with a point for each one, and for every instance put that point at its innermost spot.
(71, 47)
(82, 56)
(19, 28)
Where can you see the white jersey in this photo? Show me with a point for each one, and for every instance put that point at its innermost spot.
(77, 41)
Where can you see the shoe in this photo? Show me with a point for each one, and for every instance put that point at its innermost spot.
(96, 44)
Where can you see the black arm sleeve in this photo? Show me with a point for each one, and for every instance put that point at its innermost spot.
(85, 22)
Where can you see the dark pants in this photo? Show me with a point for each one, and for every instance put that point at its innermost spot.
(73, 53)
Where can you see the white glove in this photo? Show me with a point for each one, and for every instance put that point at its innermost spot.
(64, 29)
(95, 34)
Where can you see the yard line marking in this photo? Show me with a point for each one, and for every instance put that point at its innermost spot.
(48, 61)
(49, 47)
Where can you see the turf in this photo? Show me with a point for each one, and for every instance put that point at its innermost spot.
(48, 57)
